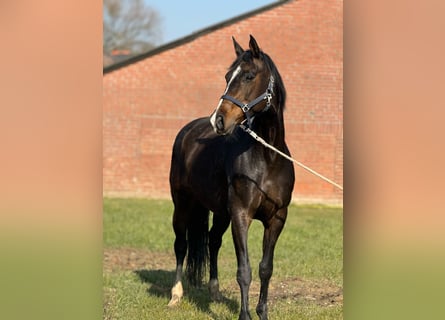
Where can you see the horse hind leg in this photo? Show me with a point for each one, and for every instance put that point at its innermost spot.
(220, 224)
(190, 223)
(271, 233)
(180, 246)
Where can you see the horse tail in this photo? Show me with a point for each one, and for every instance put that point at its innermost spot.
(198, 249)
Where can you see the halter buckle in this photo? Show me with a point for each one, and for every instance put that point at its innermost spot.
(269, 98)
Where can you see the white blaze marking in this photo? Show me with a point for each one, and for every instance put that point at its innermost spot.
(212, 120)
(213, 117)
(234, 74)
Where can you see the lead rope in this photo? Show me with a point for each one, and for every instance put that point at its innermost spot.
(264, 143)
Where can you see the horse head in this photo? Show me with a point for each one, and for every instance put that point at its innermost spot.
(249, 90)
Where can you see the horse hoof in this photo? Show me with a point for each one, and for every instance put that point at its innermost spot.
(177, 293)
(215, 295)
(174, 301)
(245, 316)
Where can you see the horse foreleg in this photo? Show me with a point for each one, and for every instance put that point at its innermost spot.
(271, 233)
(220, 224)
(240, 226)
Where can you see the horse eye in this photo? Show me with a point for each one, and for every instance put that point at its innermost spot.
(249, 76)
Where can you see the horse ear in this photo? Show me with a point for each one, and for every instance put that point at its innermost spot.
(238, 49)
(253, 45)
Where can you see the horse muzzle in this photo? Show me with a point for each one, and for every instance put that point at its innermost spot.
(224, 124)
(219, 124)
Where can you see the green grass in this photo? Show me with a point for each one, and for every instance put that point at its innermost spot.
(138, 223)
(308, 259)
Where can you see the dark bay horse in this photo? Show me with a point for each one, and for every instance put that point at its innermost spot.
(218, 167)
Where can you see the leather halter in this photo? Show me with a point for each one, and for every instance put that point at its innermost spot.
(246, 107)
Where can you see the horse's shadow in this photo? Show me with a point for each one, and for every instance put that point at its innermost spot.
(161, 281)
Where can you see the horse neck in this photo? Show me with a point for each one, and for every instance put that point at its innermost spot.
(270, 126)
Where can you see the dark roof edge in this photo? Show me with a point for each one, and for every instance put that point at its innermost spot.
(192, 36)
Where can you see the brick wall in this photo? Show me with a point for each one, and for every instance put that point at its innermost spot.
(146, 102)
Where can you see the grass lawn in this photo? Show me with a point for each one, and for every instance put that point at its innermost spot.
(139, 263)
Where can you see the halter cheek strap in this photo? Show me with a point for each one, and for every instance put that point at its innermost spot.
(246, 108)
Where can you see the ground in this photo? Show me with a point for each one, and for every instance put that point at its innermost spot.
(322, 293)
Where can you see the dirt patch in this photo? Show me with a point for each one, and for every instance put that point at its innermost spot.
(293, 289)
(296, 289)
(131, 259)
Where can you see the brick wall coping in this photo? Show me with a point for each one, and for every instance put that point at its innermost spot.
(192, 36)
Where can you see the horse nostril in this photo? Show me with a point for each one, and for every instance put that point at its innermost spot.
(219, 122)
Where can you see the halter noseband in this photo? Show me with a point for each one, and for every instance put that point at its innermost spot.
(248, 106)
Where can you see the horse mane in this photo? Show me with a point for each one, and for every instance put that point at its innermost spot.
(279, 89)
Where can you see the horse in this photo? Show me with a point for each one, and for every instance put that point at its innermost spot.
(216, 166)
